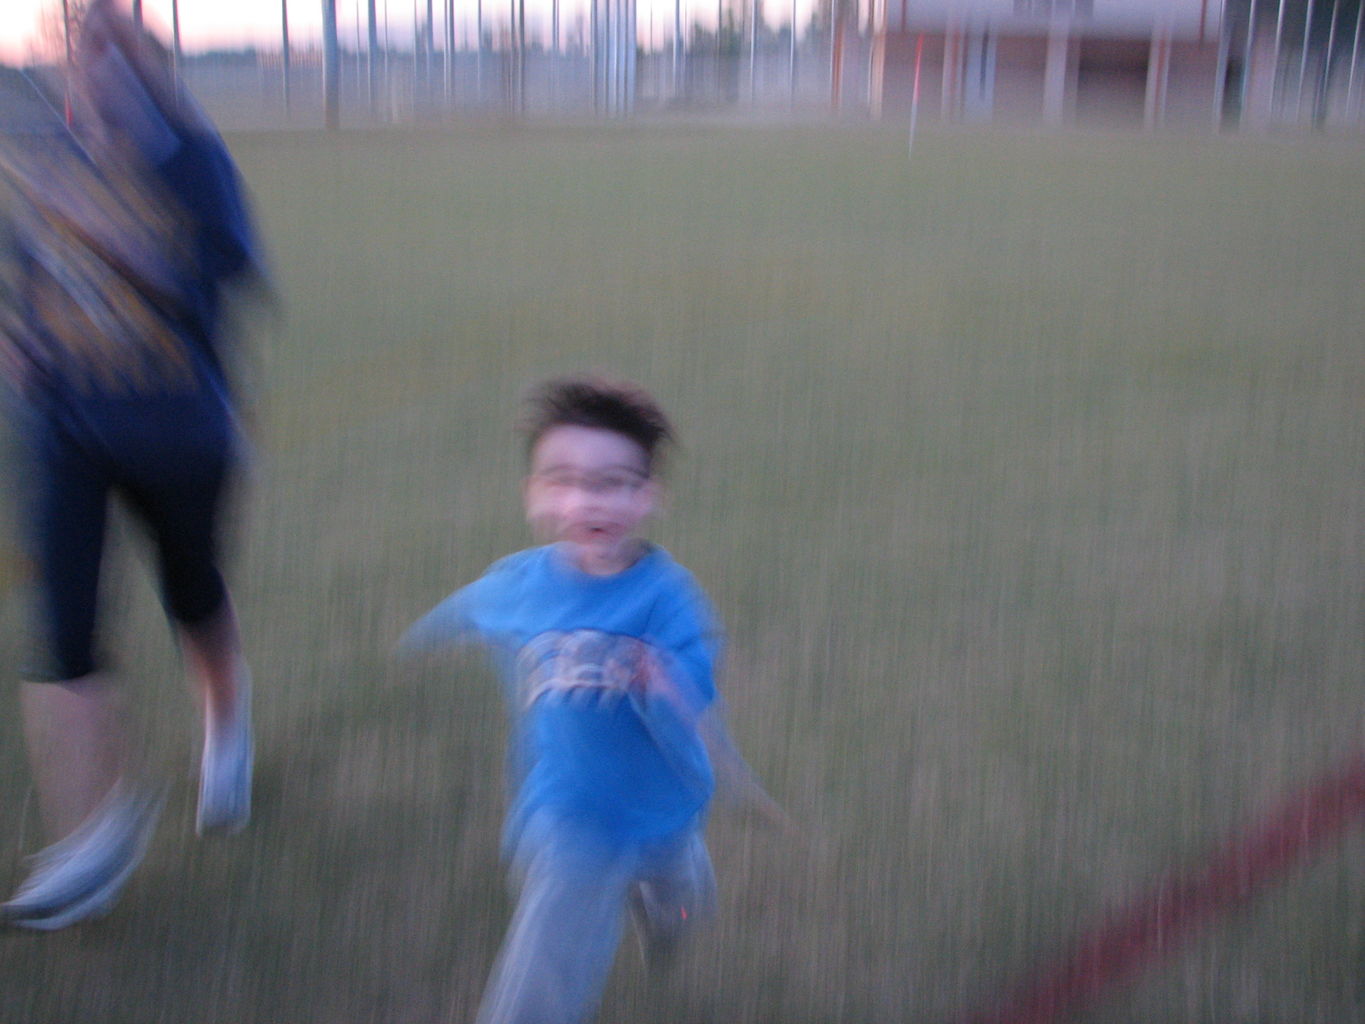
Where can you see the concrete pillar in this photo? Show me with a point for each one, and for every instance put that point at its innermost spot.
(876, 75)
(1059, 74)
(331, 66)
(951, 93)
(1158, 75)
(1258, 107)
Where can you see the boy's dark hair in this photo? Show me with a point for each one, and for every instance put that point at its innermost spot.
(619, 406)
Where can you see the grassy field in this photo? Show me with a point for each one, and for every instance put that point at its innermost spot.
(1028, 476)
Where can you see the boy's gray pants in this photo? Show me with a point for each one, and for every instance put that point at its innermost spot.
(574, 891)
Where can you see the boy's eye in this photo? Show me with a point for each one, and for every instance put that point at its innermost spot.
(620, 483)
(595, 483)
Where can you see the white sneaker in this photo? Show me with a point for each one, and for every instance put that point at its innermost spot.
(225, 774)
(81, 876)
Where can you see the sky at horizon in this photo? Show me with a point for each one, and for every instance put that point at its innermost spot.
(212, 24)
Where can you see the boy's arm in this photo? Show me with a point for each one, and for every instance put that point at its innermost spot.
(445, 626)
(686, 681)
(736, 782)
(682, 650)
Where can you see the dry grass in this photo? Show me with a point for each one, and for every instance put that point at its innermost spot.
(1029, 479)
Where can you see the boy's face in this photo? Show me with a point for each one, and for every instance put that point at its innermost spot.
(590, 490)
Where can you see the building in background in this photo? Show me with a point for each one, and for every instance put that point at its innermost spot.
(1117, 63)
(1185, 64)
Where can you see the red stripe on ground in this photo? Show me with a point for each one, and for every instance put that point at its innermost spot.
(1151, 925)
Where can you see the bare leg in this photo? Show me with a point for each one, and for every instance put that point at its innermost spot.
(213, 652)
(99, 823)
(76, 744)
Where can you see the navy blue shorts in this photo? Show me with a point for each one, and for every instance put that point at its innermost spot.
(168, 459)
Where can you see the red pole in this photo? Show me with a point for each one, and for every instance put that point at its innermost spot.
(914, 92)
(919, 53)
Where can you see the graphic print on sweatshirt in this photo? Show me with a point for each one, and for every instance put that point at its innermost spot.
(582, 665)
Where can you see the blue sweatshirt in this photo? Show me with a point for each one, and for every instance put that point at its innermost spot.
(592, 743)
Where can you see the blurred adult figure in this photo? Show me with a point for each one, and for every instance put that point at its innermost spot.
(126, 231)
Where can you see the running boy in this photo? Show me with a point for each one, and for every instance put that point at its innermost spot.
(607, 647)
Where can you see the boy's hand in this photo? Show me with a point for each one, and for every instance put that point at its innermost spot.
(653, 682)
(736, 784)
(766, 811)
